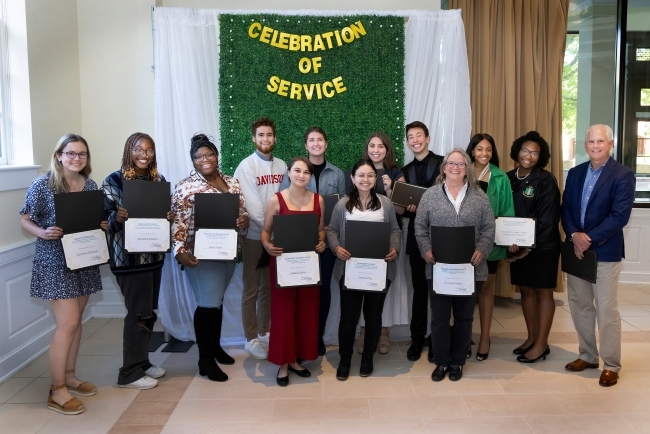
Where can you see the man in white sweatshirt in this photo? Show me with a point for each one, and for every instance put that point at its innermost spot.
(259, 176)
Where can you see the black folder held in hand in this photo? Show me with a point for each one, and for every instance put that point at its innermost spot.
(79, 211)
(585, 268)
(369, 240)
(406, 194)
(453, 245)
(216, 211)
(146, 199)
(295, 232)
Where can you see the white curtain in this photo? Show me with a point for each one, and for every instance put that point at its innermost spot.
(436, 79)
(186, 45)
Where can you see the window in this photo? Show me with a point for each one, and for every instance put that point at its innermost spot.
(5, 100)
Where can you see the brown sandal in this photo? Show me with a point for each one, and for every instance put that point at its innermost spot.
(72, 406)
(84, 389)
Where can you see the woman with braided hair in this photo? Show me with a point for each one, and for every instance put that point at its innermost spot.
(137, 274)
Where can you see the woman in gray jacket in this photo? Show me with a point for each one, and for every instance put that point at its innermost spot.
(362, 203)
(455, 200)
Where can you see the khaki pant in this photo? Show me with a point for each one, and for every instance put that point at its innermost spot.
(591, 302)
(256, 296)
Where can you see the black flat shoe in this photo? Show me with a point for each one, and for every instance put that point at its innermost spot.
(439, 373)
(455, 373)
(321, 347)
(304, 372)
(519, 350)
(415, 350)
(282, 381)
(483, 356)
(524, 359)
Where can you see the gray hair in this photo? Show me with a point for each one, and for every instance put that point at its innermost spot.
(608, 131)
(470, 176)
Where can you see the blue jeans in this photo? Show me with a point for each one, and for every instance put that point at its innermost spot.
(209, 280)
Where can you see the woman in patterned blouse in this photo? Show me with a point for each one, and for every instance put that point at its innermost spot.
(209, 279)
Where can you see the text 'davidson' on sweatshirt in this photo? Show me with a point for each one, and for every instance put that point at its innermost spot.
(259, 179)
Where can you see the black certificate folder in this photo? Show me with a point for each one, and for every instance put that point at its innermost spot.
(585, 268)
(406, 194)
(453, 245)
(79, 211)
(295, 232)
(369, 240)
(216, 211)
(147, 199)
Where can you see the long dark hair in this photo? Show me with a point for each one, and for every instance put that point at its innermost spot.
(389, 160)
(478, 138)
(128, 169)
(353, 196)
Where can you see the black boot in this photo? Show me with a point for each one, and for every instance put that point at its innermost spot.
(343, 371)
(219, 353)
(366, 365)
(204, 328)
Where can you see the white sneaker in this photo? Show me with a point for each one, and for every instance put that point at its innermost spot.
(143, 383)
(264, 340)
(155, 372)
(255, 349)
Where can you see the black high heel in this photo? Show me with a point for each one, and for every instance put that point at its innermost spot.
(483, 356)
(524, 359)
(519, 351)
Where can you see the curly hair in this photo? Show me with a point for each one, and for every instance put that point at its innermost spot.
(128, 169)
(262, 122)
(532, 136)
(200, 140)
(478, 138)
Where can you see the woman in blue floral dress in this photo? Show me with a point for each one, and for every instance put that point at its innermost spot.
(67, 291)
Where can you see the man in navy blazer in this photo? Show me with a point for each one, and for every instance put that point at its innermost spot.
(596, 205)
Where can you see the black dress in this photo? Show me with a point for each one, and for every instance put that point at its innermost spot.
(538, 196)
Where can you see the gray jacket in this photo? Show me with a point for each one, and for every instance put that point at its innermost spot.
(331, 181)
(435, 209)
(336, 233)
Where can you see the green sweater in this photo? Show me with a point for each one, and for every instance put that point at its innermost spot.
(499, 193)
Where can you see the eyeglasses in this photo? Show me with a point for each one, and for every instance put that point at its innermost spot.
(141, 152)
(72, 155)
(210, 157)
(451, 164)
(369, 176)
(525, 151)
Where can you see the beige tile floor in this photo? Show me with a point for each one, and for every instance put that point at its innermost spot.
(497, 395)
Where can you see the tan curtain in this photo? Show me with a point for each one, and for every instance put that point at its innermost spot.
(515, 50)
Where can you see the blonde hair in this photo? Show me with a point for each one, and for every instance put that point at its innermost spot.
(470, 176)
(57, 181)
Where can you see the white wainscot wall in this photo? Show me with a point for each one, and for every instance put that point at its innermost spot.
(27, 324)
(636, 265)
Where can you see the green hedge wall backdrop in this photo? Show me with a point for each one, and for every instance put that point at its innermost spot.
(345, 74)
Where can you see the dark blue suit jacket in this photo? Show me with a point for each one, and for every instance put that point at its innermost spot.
(608, 210)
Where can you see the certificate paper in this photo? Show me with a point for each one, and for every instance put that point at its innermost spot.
(215, 244)
(298, 269)
(453, 279)
(365, 274)
(146, 235)
(85, 249)
(514, 230)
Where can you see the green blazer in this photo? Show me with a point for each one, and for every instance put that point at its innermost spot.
(499, 193)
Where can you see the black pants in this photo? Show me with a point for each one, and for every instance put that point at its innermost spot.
(140, 291)
(419, 308)
(327, 260)
(351, 302)
(450, 346)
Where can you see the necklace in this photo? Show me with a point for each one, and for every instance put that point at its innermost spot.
(299, 199)
(520, 178)
(486, 169)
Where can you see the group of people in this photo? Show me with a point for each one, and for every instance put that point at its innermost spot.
(286, 325)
